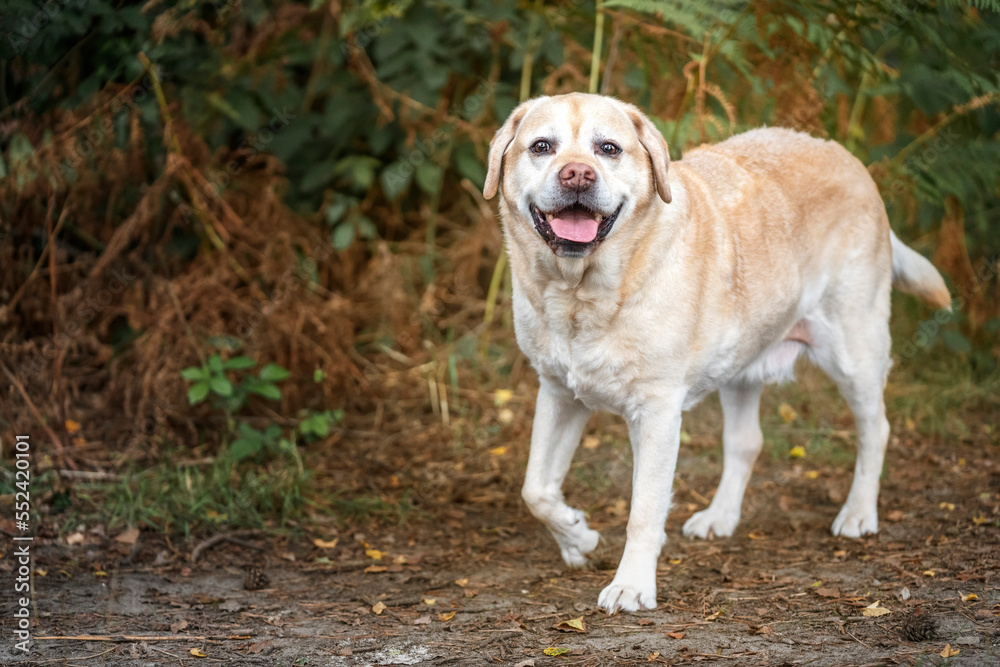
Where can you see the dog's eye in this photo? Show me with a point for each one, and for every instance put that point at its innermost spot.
(541, 146)
(610, 148)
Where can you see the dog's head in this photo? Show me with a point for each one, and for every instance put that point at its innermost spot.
(574, 166)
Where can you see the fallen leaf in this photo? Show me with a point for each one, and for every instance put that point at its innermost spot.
(653, 656)
(712, 617)
(198, 654)
(816, 584)
(572, 625)
(910, 424)
(894, 515)
(463, 582)
(72, 426)
(526, 663)
(949, 652)
(645, 621)
(969, 597)
(787, 413)
(812, 474)
(400, 560)
(618, 508)
(178, 626)
(685, 438)
(79, 442)
(928, 573)
(100, 573)
(979, 520)
(378, 608)
(555, 650)
(675, 561)
(756, 535)
(430, 601)
(323, 544)
(374, 554)
(423, 620)
(797, 452)
(130, 536)
(763, 630)
(75, 538)
(258, 647)
(446, 615)
(498, 451)
(947, 506)
(875, 610)
(674, 635)
(828, 592)
(840, 553)
(505, 416)
(375, 569)
(502, 397)
(591, 442)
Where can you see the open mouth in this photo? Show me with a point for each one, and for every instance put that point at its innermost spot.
(574, 231)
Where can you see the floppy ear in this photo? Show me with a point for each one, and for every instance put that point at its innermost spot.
(501, 141)
(656, 146)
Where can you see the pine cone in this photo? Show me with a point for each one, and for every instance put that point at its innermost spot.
(918, 626)
(255, 579)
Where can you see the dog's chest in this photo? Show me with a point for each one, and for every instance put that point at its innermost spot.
(579, 345)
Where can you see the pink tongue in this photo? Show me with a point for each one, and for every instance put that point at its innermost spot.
(575, 227)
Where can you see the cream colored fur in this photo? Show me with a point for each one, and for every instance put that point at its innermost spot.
(719, 271)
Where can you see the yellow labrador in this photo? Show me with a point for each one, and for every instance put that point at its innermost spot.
(639, 291)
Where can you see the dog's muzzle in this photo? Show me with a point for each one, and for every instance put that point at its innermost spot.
(573, 231)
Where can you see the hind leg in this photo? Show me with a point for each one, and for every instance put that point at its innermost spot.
(856, 356)
(741, 443)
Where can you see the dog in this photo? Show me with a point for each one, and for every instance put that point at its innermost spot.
(639, 286)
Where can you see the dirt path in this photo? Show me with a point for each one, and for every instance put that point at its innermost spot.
(474, 580)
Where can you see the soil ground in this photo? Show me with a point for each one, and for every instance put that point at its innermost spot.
(470, 578)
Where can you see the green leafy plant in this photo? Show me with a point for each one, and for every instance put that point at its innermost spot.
(317, 425)
(212, 378)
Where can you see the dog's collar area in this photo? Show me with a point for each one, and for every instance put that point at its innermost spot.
(564, 247)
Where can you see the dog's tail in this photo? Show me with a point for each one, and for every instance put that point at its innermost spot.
(911, 272)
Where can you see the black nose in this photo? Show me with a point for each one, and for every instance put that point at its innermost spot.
(577, 176)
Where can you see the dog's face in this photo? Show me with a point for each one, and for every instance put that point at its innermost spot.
(576, 166)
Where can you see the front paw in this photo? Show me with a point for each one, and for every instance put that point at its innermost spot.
(624, 595)
(709, 523)
(856, 519)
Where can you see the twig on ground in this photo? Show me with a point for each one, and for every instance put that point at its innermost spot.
(142, 638)
(86, 657)
(89, 475)
(225, 537)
